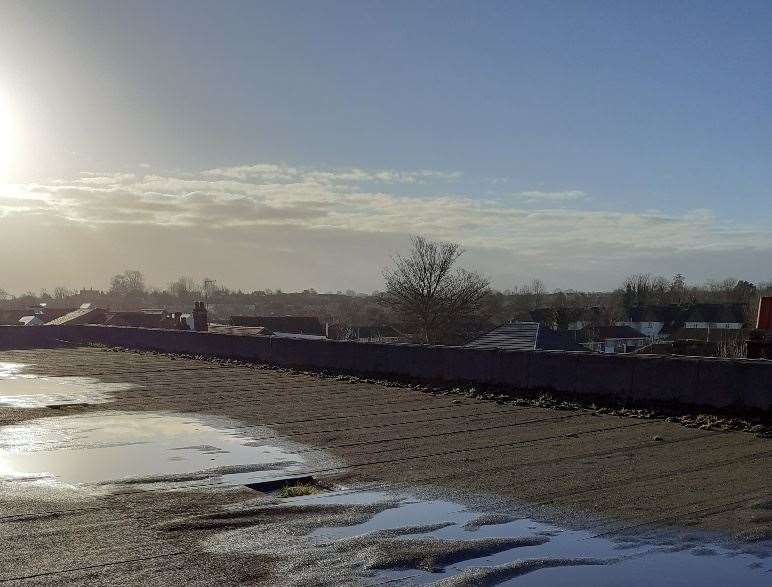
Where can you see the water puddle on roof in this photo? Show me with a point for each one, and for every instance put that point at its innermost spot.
(141, 448)
(376, 538)
(22, 390)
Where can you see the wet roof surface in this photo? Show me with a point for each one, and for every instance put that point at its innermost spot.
(571, 462)
(141, 447)
(19, 389)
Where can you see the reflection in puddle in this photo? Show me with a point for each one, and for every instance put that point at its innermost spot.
(374, 537)
(20, 390)
(138, 447)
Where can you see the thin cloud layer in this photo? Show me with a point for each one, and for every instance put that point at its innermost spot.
(239, 206)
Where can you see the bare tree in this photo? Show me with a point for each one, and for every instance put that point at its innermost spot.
(61, 292)
(429, 293)
(638, 290)
(677, 291)
(128, 283)
(209, 287)
(533, 293)
(183, 287)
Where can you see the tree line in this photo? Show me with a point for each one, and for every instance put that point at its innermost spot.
(426, 292)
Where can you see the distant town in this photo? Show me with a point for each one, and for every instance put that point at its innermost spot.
(645, 314)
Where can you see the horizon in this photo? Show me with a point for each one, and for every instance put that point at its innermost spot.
(199, 286)
(297, 146)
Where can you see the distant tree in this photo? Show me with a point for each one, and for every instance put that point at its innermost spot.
(210, 288)
(128, 283)
(430, 294)
(4, 295)
(743, 291)
(61, 293)
(719, 290)
(660, 290)
(532, 294)
(183, 287)
(638, 290)
(677, 292)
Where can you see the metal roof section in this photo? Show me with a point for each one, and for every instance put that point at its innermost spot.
(239, 330)
(290, 324)
(526, 336)
(514, 336)
(30, 321)
(79, 316)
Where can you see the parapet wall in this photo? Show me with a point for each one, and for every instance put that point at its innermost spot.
(718, 383)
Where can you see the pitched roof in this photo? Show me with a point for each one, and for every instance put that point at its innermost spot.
(666, 313)
(675, 315)
(525, 336)
(80, 316)
(30, 321)
(605, 332)
(569, 314)
(138, 319)
(289, 324)
(239, 330)
(13, 315)
(710, 334)
(716, 313)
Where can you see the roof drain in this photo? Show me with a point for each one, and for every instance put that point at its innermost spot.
(276, 484)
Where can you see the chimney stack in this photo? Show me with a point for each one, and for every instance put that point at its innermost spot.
(764, 316)
(200, 317)
(759, 343)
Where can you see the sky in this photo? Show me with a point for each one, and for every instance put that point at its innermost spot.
(298, 145)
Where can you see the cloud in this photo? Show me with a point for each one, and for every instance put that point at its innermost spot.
(534, 197)
(255, 207)
(286, 174)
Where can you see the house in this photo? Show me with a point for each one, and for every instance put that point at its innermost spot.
(716, 316)
(307, 325)
(658, 321)
(83, 315)
(378, 333)
(613, 339)
(653, 321)
(11, 316)
(140, 319)
(567, 318)
(526, 336)
(31, 321)
(710, 334)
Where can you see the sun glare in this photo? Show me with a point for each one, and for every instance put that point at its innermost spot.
(6, 136)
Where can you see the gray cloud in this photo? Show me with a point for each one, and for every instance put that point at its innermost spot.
(302, 216)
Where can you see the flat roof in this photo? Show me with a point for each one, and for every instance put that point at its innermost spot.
(637, 471)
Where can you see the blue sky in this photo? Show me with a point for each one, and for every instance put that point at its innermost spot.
(582, 140)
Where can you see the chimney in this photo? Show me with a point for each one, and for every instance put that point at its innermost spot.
(764, 316)
(200, 317)
(759, 342)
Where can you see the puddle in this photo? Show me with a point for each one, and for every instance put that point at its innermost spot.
(367, 537)
(22, 390)
(141, 448)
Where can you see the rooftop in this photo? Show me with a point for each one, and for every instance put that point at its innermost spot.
(526, 336)
(606, 332)
(287, 324)
(350, 432)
